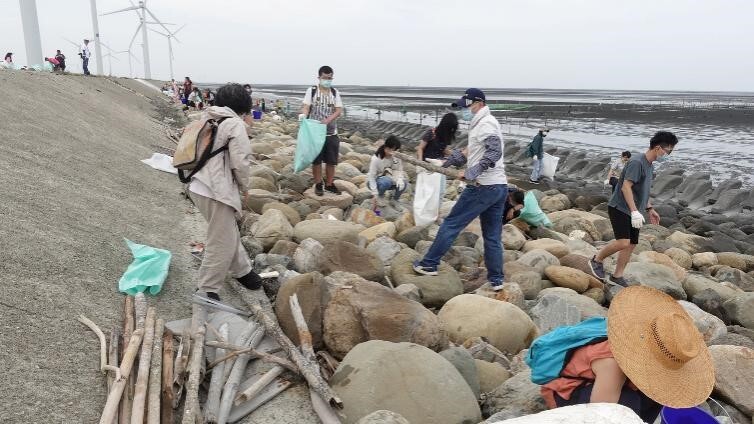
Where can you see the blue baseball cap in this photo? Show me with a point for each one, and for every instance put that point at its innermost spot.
(472, 95)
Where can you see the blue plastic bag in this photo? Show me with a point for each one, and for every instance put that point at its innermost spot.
(311, 139)
(147, 272)
(532, 213)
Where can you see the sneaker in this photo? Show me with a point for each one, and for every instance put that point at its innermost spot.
(214, 296)
(533, 181)
(332, 189)
(424, 270)
(597, 269)
(496, 286)
(619, 281)
(318, 189)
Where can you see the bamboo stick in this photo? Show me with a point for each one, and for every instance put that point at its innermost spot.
(212, 406)
(191, 407)
(308, 369)
(145, 362)
(128, 328)
(451, 173)
(111, 406)
(155, 375)
(260, 384)
(239, 367)
(166, 406)
(255, 354)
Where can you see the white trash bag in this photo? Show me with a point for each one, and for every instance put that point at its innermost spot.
(589, 413)
(427, 197)
(549, 165)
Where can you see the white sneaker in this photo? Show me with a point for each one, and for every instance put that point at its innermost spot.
(495, 287)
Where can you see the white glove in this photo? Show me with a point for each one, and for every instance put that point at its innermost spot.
(637, 219)
(534, 159)
(607, 182)
(301, 117)
(400, 184)
(435, 162)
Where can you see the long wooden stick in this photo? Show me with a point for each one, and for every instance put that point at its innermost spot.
(309, 370)
(212, 406)
(426, 165)
(191, 406)
(103, 366)
(128, 328)
(243, 340)
(272, 390)
(166, 407)
(113, 360)
(234, 380)
(155, 375)
(253, 353)
(179, 372)
(324, 411)
(111, 406)
(260, 384)
(145, 362)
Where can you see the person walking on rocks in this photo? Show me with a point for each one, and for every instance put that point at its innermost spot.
(386, 173)
(188, 88)
(485, 193)
(629, 203)
(616, 168)
(215, 189)
(85, 55)
(537, 153)
(323, 103)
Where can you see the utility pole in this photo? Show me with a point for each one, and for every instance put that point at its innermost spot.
(95, 27)
(30, 23)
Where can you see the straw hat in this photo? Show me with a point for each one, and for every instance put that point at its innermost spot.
(658, 347)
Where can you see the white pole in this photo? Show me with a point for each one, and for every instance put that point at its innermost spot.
(30, 24)
(170, 53)
(145, 42)
(95, 27)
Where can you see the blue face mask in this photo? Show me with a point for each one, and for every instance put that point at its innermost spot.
(325, 83)
(663, 158)
(466, 114)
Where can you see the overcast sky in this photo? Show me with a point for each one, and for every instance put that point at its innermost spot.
(610, 44)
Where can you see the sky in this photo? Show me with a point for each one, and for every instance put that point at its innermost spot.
(700, 45)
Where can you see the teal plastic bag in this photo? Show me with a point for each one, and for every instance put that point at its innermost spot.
(532, 213)
(311, 138)
(147, 272)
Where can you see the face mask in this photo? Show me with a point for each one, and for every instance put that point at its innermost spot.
(325, 83)
(663, 158)
(466, 114)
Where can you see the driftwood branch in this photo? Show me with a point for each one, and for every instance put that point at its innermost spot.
(272, 390)
(179, 368)
(308, 369)
(450, 173)
(129, 323)
(212, 406)
(234, 380)
(103, 366)
(111, 406)
(145, 360)
(113, 357)
(166, 407)
(155, 375)
(253, 354)
(191, 406)
(258, 385)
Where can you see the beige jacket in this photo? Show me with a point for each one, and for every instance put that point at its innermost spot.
(227, 174)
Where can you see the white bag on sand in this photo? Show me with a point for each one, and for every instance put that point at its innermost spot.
(589, 413)
(427, 197)
(549, 165)
(161, 162)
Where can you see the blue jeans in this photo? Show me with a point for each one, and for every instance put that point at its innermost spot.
(85, 65)
(487, 203)
(536, 169)
(385, 183)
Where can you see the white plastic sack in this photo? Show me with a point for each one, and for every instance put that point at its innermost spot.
(161, 162)
(589, 413)
(427, 197)
(549, 165)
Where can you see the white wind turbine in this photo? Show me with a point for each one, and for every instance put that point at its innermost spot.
(169, 36)
(142, 11)
(110, 58)
(130, 55)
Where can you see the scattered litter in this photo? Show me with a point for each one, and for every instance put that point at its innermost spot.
(148, 270)
(161, 162)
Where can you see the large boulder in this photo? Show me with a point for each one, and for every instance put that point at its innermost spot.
(431, 390)
(681, 257)
(491, 375)
(340, 201)
(695, 283)
(568, 277)
(290, 213)
(568, 224)
(348, 257)
(365, 217)
(663, 259)
(704, 259)
(504, 325)
(538, 259)
(308, 256)
(385, 248)
(740, 309)
(379, 230)
(581, 263)
(383, 417)
(736, 260)
(688, 242)
(709, 325)
(436, 289)
(557, 248)
(513, 238)
(587, 306)
(657, 276)
(734, 375)
(413, 235)
(734, 275)
(465, 364)
(272, 227)
(517, 395)
(363, 310)
(601, 223)
(552, 311)
(311, 291)
(327, 230)
(556, 202)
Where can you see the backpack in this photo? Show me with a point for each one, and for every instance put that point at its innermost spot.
(550, 353)
(195, 147)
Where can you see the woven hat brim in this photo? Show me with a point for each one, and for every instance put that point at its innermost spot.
(629, 318)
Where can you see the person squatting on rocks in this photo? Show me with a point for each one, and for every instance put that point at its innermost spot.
(215, 188)
(537, 153)
(628, 204)
(485, 192)
(435, 143)
(653, 356)
(85, 54)
(514, 202)
(616, 168)
(323, 103)
(386, 173)
(60, 57)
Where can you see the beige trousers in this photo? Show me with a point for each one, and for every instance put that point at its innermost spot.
(223, 251)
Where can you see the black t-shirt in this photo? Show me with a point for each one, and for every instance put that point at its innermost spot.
(435, 148)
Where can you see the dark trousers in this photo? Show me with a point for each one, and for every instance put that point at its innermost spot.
(644, 407)
(614, 183)
(86, 66)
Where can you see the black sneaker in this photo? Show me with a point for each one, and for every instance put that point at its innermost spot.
(251, 281)
(619, 281)
(318, 189)
(597, 269)
(332, 189)
(214, 296)
(533, 181)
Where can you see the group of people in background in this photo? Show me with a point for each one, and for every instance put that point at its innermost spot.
(53, 63)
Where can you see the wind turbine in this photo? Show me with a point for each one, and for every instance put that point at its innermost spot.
(142, 11)
(110, 58)
(130, 55)
(69, 63)
(170, 35)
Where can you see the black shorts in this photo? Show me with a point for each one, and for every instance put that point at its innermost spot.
(329, 153)
(621, 223)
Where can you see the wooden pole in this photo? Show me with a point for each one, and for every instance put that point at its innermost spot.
(113, 360)
(309, 370)
(234, 380)
(111, 406)
(145, 361)
(166, 406)
(191, 406)
(450, 173)
(274, 389)
(155, 375)
(260, 384)
(129, 324)
(212, 406)
(253, 353)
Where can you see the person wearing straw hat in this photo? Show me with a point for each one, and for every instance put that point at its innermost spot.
(654, 356)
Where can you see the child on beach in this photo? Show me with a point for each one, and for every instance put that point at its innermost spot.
(628, 204)
(323, 103)
(616, 168)
(386, 173)
(435, 142)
